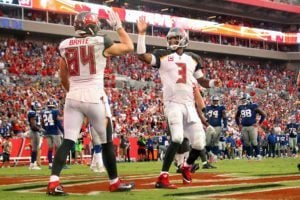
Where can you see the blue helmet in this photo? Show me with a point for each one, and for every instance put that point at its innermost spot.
(245, 98)
(52, 103)
(35, 105)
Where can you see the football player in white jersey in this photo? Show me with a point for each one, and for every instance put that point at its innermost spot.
(82, 63)
(178, 71)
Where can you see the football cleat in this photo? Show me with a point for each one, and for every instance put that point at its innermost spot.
(55, 189)
(186, 174)
(121, 186)
(163, 182)
(208, 166)
(195, 167)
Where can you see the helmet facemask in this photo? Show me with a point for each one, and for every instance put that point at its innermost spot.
(181, 37)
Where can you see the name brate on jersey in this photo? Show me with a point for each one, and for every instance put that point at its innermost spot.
(80, 41)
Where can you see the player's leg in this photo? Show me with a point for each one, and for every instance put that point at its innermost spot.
(253, 138)
(73, 119)
(97, 162)
(34, 140)
(103, 126)
(247, 142)
(50, 141)
(216, 141)
(181, 155)
(174, 114)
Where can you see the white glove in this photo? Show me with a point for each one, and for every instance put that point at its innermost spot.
(114, 20)
(210, 130)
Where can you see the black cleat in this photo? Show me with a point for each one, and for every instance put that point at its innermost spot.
(195, 167)
(208, 166)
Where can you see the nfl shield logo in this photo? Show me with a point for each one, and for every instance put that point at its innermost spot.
(170, 58)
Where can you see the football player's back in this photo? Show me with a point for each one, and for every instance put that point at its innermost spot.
(85, 60)
(86, 66)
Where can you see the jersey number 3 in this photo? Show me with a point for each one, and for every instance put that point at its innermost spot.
(181, 73)
(80, 56)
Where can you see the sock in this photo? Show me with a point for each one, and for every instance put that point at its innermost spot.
(100, 160)
(202, 154)
(194, 154)
(169, 156)
(113, 181)
(33, 156)
(94, 162)
(179, 158)
(109, 160)
(50, 156)
(53, 178)
(61, 156)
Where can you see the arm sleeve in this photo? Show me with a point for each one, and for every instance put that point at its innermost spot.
(199, 64)
(107, 43)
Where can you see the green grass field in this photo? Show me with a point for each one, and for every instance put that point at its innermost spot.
(237, 168)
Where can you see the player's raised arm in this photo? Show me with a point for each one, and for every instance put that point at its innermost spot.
(126, 44)
(141, 42)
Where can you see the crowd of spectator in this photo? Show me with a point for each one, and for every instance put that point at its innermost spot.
(29, 71)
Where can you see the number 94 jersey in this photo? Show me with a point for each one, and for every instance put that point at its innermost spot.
(86, 63)
(248, 114)
(178, 74)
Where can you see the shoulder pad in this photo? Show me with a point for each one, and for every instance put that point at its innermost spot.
(161, 52)
(196, 57)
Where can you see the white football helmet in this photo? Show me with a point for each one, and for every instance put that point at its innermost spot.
(181, 36)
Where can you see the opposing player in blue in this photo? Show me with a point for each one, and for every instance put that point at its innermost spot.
(51, 123)
(216, 116)
(292, 129)
(34, 120)
(246, 119)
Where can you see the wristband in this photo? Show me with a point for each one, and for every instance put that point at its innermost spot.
(141, 44)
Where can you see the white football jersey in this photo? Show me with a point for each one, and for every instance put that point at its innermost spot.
(178, 74)
(86, 63)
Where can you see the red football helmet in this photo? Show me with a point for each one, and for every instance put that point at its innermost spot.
(86, 23)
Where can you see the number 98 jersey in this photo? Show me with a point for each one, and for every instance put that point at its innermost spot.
(248, 114)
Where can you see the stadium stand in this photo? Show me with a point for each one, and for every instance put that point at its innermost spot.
(29, 71)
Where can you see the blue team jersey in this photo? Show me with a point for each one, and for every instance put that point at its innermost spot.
(51, 123)
(5, 130)
(162, 139)
(214, 114)
(292, 129)
(34, 114)
(248, 114)
(283, 139)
